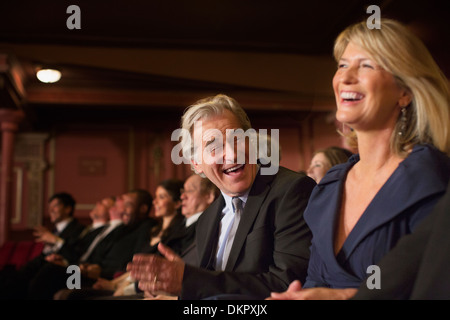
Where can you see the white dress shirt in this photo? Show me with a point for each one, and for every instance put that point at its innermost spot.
(193, 218)
(228, 213)
(53, 248)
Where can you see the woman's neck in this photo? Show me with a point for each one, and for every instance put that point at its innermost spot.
(167, 220)
(375, 153)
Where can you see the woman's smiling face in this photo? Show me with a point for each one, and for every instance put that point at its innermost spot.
(164, 204)
(367, 96)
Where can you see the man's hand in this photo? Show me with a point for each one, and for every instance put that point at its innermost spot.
(57, 259)
(295, 292)
(92, 271)
(158, 275)
(42, 234)
(104, 284)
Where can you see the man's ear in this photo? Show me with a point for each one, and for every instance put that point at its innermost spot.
(211, 198)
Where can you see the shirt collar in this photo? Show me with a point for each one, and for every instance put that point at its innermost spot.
(98, 224)
(193, 218)
(228, 202)
(115, 222)
(60, 226)
(244, 197)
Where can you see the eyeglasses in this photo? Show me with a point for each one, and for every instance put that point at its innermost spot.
(186, 191)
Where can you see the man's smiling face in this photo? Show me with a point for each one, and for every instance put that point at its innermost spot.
(225, 172)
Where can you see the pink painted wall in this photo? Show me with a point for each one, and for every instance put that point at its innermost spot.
(91, 163)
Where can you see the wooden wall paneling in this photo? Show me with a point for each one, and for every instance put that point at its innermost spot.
(29, 157)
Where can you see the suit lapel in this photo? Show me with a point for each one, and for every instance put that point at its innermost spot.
(207, 232)
(256, 197)
(68, 230)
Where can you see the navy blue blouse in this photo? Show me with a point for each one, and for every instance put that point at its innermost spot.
(405, 199)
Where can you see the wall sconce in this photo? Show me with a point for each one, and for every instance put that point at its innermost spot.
(48, 75)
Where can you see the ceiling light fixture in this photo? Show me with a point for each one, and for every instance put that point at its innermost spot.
(48, 75)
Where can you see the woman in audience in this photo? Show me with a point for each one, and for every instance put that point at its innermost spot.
(394, 97)
(324, 159)
(167, 205)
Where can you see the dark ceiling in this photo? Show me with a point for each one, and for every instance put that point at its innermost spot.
(159, 56)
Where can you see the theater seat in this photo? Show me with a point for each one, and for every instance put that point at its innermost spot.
(21, 253)
(15, 254)
(36, 250)
(6, 252)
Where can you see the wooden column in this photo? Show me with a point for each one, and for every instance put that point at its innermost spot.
(9, 124)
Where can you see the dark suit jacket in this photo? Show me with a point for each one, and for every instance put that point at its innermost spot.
(271, 247)
(73, 252)
(418, 267)
(71, 232)
(189, 254)
(104, 246)
(181, 238)
(182, 242)
(114, 256)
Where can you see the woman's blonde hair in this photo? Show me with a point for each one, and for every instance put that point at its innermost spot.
(397, 50)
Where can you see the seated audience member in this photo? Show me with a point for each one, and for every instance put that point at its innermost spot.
(417, 268)
(138, 204)
(66, 228)
(324, 159)
(100, 218)
(109, 252)
(52, 276)
(198, 193)
(392, 94)
(167, 204)
(66, 232)
(252, 239)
